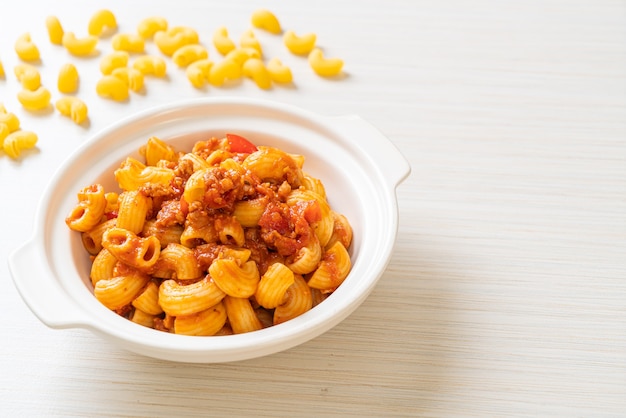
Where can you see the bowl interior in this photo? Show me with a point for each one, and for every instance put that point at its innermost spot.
(352, 185)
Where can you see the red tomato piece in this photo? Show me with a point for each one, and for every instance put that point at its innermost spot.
(240, 144)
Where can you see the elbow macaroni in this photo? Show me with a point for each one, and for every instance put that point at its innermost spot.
(55, 30)
(132, 77)
(38, 99)
(73, 107)
(112, 87)
(222, 71)
(249, 40)
(151, 25)
(299, 45)
(26, 49)
(222, 42)
(15, 142)
(128, 42)
(150, 65)
(168, 41)
(264, 19)
(115, 59)
(67, 81)
(101, 21)
(255, 69)
(199, 243)
(79, 46)
(198, 72)
(187, 54)
(325, 67)
(279, 72)
(28, 75)
(9, 119)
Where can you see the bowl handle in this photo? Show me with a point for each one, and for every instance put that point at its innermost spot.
(388, 157)
(45, 298)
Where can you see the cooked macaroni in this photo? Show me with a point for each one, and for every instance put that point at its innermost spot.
(222, 239)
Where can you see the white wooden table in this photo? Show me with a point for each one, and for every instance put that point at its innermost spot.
(506, 295)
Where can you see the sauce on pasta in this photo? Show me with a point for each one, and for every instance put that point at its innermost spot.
(215, 240)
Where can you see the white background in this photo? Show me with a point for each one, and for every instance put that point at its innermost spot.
(506, 294)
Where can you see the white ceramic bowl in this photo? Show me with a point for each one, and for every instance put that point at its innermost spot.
(358, 165)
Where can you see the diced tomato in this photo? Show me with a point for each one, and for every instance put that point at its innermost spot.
(110, 215)
(240, 144)
(312, 211)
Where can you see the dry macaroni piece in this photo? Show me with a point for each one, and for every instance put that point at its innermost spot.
(26, 49)
(79, 46)
(9, 119)
(225, 238)
(187, 54)
(132, 77)
(150, 65)
(249, 40)
(222, 42)
(28, 75)
(325, 67)
(168, 41)
(112, 87)
(241, 55)
(198, 72)
(151, 25)
(128, 42)
(73, 107)
(264, 19)
(38, 99)
(1, 70)
(299, 45)
(113, 60)
(102, 21)
(255, 69)
(67, 81)
(15, 142)
(226, 69)
(55, 30)
(279, 72)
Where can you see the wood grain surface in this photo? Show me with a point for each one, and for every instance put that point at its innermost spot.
(506, 293)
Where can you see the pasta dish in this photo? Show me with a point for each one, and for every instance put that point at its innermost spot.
(225, 238)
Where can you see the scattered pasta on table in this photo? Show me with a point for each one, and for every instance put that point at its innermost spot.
(131, 60)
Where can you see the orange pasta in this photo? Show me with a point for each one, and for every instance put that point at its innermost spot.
(224, 238)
